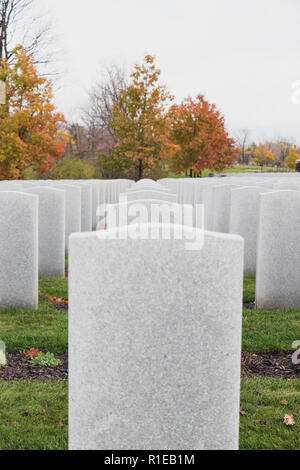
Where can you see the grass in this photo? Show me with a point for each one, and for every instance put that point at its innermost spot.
(262, 427)
(267, 330)
(33, 415)
(248, 169)
(45, 328)
(249, 288)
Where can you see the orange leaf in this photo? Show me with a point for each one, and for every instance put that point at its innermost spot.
(289, 420)
(32, 352)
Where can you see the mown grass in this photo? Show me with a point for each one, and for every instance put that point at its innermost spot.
(262, 427)
(248, 169)
(267, 330)
(33, 415)
(45, 328)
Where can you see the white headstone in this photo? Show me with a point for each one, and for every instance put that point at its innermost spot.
(244, 214)
(278, 261)
(73, 209)
(52, 216)
(221, 207)
(155, 343)
(18, 250)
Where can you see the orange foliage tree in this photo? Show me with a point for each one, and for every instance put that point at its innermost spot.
(199, 131)
(28, 121)
(140, 119)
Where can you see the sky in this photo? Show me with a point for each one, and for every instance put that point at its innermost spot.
(243, 55)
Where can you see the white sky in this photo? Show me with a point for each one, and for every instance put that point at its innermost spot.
(244, 55)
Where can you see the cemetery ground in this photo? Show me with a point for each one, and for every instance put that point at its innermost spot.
(34, 400)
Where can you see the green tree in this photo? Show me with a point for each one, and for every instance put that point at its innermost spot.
(72, 168)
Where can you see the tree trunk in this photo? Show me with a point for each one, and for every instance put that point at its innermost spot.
(140, 168)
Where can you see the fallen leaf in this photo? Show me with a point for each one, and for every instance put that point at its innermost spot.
(32, 352)
(242, 412)
(289, 420)
(283, 402)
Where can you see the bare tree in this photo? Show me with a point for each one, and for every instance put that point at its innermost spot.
(22, 23)
(242, 139)
(102, 96)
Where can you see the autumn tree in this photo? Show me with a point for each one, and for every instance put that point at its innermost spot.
(140, 121)
(28, 121)
(199, 131)
(292, 158)
(263, 155)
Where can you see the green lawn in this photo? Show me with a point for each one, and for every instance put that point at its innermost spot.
(261, 427)
(267, 330)
(45, 328)
(33, 415)
(249, 169)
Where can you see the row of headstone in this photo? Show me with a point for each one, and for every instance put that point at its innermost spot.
(37, 218)
(154, 332)
(264, 211)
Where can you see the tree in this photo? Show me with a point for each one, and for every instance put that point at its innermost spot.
(20, 23)
(242, 137)
(102, 97)
(140, 121)
(72, 168)
(198, 130)
(291, 159)
(28, 121)
(263, 156)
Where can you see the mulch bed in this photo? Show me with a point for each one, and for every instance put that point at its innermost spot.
(269, 365)
(253, 365)
(18, 368)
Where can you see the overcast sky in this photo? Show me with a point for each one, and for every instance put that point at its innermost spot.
(244, 55)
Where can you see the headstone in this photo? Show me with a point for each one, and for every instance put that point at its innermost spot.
(52, 215)
(221, 200)
(244, 214)
(2, 354)
(150, 194)
(18, 250)
(160, 330)
(278, 261)
(86, 206)
(73, 210)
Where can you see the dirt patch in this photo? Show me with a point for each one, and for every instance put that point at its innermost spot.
(269, 365)
(249, 305)
(18, 368)
(61, 306)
